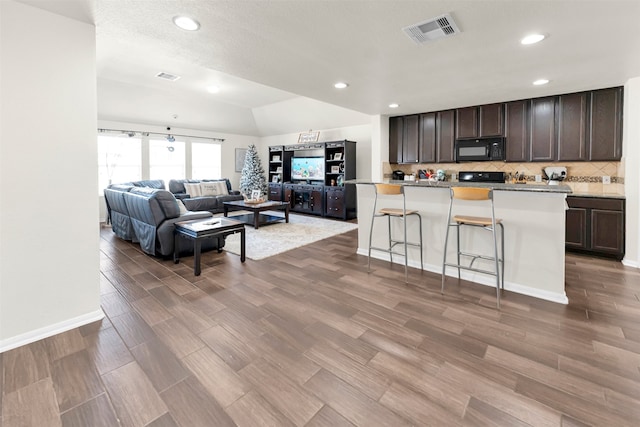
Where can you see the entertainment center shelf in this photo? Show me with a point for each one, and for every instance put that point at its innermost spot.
(311, 177)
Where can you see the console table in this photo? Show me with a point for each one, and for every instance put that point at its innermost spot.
(198, 230)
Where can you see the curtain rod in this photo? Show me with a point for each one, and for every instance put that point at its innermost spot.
(132, 133)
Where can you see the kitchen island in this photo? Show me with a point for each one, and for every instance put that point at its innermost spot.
(534, 223)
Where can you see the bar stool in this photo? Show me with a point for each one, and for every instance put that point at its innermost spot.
(394, 190)
(489, 224)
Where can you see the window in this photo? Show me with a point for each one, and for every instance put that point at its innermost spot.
(166, 160)
(119, 160)
(206, 160)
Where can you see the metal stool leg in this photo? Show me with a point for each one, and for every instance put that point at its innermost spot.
(373, 218)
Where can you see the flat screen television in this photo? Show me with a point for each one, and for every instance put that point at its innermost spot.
(307, 168)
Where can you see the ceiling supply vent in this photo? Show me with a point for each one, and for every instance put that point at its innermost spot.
(167, 76)
(432, 29)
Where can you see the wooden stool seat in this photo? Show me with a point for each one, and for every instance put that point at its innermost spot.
(475, 220)
(396, 212)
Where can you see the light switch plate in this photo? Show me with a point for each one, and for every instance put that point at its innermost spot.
(606, 179)
(538, 178)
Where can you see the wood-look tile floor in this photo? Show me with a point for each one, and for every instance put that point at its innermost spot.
(309, 338)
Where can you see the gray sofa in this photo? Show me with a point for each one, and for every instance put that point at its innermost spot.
(147, 215)
(213, 204)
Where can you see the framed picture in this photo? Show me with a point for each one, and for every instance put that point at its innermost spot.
(309, 136)
(335, 169)
(275, 178)
(255, 194)
(275, 159)
(337, 156)
(241, 153)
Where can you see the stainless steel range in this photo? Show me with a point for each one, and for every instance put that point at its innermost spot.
(489, 177)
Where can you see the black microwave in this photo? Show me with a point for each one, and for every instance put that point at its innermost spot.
(479, 149)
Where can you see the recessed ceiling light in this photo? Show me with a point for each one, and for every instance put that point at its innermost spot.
(541, 82)
(340, 85)
(532, 38)
(186, 23)
(394, 105)
(213, 89)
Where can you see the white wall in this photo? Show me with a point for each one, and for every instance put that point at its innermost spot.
(360, 134)
(631, 152)
(49, 238)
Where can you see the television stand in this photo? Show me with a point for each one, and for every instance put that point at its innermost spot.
(304, 198)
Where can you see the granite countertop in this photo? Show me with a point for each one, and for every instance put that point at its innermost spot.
(534, 188)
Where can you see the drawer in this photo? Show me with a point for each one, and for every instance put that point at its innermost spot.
(596, 203)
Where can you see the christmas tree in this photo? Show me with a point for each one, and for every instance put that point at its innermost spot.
(253, 176)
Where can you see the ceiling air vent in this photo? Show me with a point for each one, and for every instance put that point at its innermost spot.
(432, 29)
(167, 76)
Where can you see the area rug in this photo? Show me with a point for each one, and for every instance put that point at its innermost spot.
(272, 239)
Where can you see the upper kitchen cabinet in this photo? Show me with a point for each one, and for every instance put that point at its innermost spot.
(445, 136)
(428, 141)
(404, 133)
(572, 127)
(516, 131)
(542, 125)
(481, 121)
(605, 124)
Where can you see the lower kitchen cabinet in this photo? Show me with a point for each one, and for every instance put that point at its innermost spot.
(596, 225)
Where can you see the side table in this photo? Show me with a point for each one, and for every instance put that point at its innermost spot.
(201, 229)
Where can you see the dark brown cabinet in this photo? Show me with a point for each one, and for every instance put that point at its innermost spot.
(335, 202)
(445, 136)
(572, 127)
(583, 126)
(404, 134)
(428, 143)
(605, 130)
(542, 125)
(275, 192)
(517, 131)
(596, 225)
(479, 122)
(467, 122)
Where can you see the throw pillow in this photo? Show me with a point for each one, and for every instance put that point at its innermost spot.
(182, 207)
(218, 188)
(192, 190)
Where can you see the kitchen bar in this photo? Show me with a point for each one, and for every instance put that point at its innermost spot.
(534, 224)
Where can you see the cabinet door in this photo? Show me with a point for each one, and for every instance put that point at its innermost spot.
(572, 126)
(427, 151)
(288, 196)
(275, 192)
(605, 133)
(396, 130)
(445, 136)
(467, 122)
(335, 203)
(410, 139)
(607, 231)
(315, 202)
(576, 228)
(516, 131)
(491, 120)
(543, 141)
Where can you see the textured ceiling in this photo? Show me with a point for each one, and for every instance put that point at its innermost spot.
(265, 53)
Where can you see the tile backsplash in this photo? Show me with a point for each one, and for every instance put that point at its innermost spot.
(582, 177)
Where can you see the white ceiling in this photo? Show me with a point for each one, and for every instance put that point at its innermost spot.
(274, 58)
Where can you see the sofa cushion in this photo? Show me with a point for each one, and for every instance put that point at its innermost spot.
(182, 207)
(193, 189)
(214, 188)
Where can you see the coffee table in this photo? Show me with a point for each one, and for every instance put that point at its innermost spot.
(256, 218)
(200, 229)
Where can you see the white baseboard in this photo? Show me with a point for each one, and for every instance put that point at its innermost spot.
(560, 298)
(50, 330)
(628, 263)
